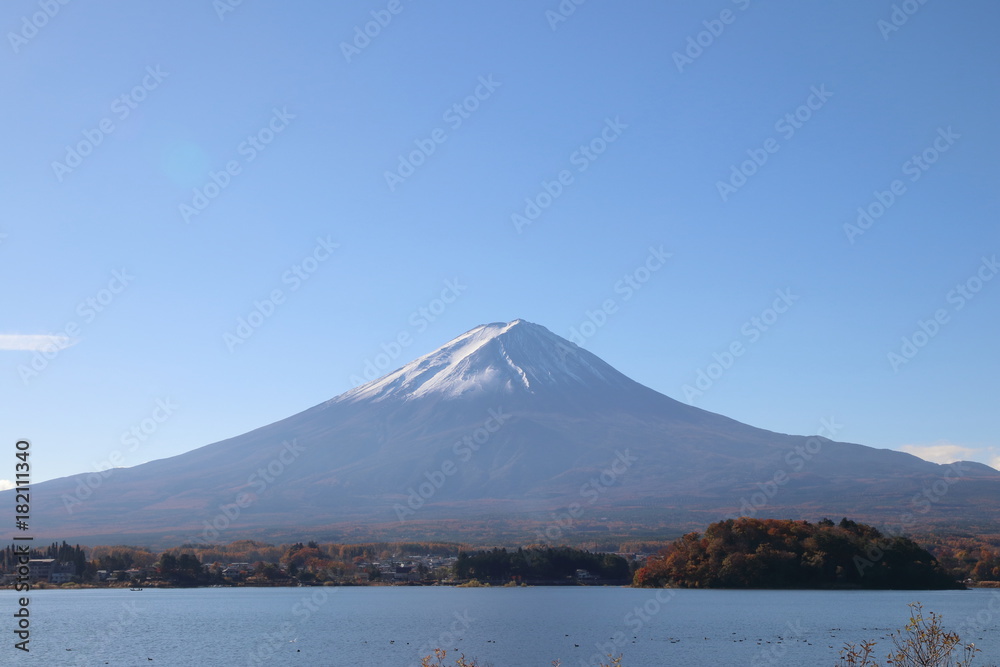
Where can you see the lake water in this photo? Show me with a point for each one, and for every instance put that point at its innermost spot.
(507, 627)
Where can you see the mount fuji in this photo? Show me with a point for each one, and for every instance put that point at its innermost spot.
(506, 433)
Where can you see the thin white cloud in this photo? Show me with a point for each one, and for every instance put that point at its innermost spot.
(947, 452)
(35, 342)
(6, 484)
(940, 452)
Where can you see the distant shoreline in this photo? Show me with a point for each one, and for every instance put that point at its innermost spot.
(152, 586)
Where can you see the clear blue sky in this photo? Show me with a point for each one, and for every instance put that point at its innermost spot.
(308, 128)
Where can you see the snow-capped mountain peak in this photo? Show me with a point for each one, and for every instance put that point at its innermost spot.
(507, 357)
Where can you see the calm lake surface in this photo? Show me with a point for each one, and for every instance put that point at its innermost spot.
(507, 627)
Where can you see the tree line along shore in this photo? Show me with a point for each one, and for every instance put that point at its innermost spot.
(736, 553)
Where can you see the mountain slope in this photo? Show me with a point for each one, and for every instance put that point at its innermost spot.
(507, 421)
